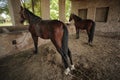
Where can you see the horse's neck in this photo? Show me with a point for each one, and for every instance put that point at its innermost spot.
(32, 19)
(76, 19)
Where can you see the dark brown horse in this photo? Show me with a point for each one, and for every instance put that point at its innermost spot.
(54, 30)
(80, 24)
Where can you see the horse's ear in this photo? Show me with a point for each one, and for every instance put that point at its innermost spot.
(72, 13)
(21, 7)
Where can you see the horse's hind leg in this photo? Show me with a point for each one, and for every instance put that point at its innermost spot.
(89, 40)
(70, 57)
(35, 40)
(65, 60)
(63, 55)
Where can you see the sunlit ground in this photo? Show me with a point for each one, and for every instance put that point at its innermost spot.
(5, 24)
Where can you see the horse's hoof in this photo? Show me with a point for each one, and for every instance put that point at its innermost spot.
(72, 67)
(90, 44)
(77, 37)
(35, 52)
(67, 71)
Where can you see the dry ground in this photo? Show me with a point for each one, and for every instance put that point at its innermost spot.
(99, 62)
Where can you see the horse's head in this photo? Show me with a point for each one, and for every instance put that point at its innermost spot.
(22, 15)
(74, 17)
(71, 17)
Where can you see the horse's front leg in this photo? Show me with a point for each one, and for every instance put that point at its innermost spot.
(35, 40)
(77, 33)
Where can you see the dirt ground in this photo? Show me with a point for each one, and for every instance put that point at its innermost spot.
(98, 62)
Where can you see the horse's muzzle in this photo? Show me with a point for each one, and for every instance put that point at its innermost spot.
(22, 21)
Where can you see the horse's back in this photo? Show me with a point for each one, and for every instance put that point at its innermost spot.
(84, 24)
(50, 23)
(46, 29)
(87, 21)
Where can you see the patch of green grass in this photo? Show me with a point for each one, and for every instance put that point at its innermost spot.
(5, 24)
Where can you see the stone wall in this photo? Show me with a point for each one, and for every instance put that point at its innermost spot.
(113, 18)
(23, 39)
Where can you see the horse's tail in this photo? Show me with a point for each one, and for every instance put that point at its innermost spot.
(65, 48)
(65, 39)
(92, 30)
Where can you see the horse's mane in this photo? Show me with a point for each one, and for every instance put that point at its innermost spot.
(77, 17)
(29, 12)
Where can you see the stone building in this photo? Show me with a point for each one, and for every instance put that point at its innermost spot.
(106, 13)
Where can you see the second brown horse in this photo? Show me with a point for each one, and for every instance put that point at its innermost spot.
(83, 24)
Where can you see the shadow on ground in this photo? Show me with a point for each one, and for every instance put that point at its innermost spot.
(100, 62)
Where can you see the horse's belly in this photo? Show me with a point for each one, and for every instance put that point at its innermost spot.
(44, 36)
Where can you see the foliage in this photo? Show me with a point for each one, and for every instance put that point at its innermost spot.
(3, 6)
(54, 7)
(67, 9)
(37, 10)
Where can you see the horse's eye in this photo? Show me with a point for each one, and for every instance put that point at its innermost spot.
(19, 12)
